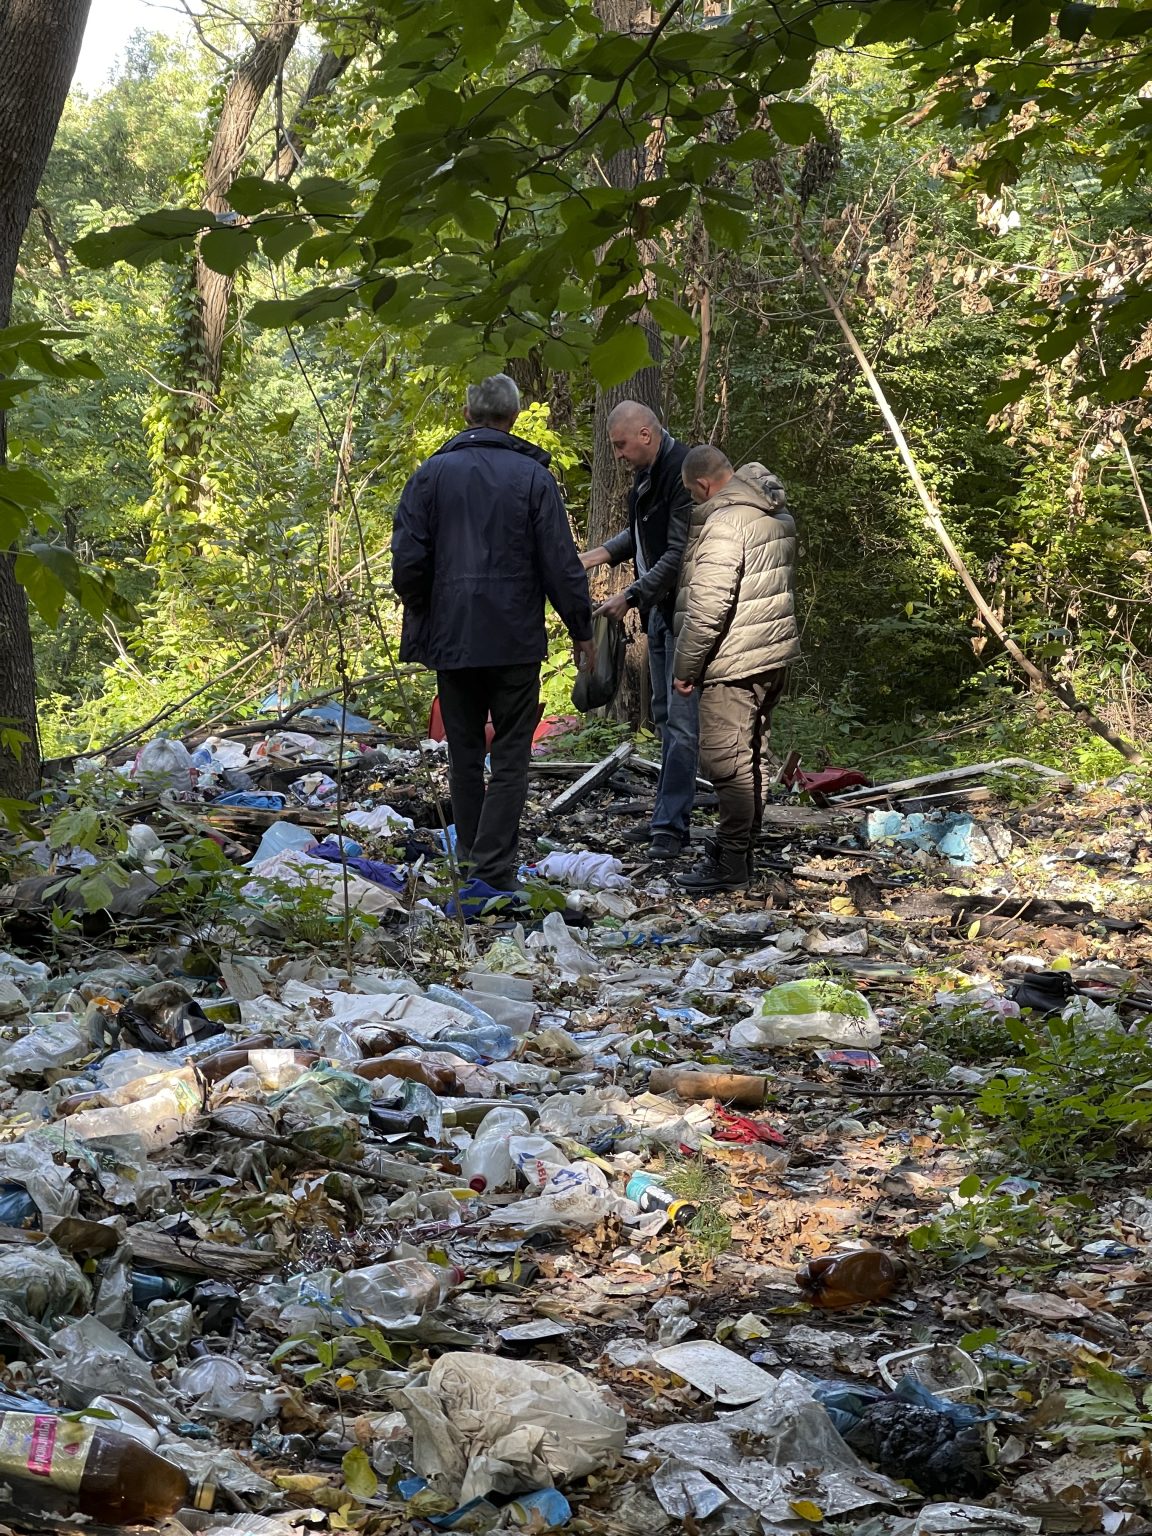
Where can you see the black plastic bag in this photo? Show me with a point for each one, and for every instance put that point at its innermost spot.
(593, 689)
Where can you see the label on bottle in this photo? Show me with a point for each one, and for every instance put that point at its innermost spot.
(34, 1445)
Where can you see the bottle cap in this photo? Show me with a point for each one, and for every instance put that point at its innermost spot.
(479, 1183)
(458, 1275)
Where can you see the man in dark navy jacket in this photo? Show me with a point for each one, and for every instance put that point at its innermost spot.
(659, 509)
(481, 538)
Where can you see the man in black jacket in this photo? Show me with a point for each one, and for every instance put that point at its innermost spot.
(480, 538)
(659, 508)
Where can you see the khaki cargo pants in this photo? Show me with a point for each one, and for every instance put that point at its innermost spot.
(734, 723)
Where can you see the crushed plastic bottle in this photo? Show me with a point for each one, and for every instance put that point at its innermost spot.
(400, 1293)
(487, 1164)
(842, 1280)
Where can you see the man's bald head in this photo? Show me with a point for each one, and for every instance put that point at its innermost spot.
(635, 434)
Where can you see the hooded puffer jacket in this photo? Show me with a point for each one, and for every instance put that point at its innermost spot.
(735, 608)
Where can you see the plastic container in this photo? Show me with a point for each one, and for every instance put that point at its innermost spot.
(501, 984)
(513, 1014)
(491, 1041)
(854, 1279)
(945, 1369)
(650, 1195)
(487, 1164)
(106, 1475)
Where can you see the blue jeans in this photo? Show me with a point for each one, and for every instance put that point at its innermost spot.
(677, 723)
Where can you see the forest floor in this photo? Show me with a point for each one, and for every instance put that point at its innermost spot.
(660, 1373)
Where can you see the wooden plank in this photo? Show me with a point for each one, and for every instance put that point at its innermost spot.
(654, 769)
(595, 776)
(190, 1256)
(928, 781)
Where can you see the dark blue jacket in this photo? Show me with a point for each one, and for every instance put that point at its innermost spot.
(480, 539)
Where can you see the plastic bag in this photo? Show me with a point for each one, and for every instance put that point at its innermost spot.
(40, 1283)
(50, 1045)
(812, 1010)
(596, 687)
(481, 1424)
(164, 764)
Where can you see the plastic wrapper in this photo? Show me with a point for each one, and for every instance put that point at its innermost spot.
(577, 1196)
(42, 1284)
(757, 1455)
(89, 1359)
(812, 1010)
(30, 1163)
(482, 1425)
(46, 1048)
(572, 960)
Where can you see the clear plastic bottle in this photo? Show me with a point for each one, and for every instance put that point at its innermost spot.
(491, 1041)
(536, 1158)
(487, 1164)
(105, 1475)
(399, 1293)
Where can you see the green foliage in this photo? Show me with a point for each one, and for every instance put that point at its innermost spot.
(982, 1216)
(1076, 1090)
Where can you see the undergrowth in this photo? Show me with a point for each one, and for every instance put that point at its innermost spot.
(707, 1187)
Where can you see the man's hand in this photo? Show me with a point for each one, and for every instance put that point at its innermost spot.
(591, 558)
(616, 606)
(584, 652)
(687, 689)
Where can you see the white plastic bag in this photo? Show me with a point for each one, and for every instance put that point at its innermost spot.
(481, 1424)
(164, 765)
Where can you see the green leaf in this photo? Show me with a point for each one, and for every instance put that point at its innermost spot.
(278, 239)
(252, 194)
(835, 24)
(1073, 20)
(226, 250)
(728, 228)
(1110, 1385)
(324, 195)
(11, 389)
(1030, 22)
(978, 1339)
(359, 1477)
(795, 122)
(620, 357)
(175, 221)
(46, 592)
(670, 317)
(969, 1186)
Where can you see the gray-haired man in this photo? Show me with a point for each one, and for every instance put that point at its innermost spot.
(480, 539)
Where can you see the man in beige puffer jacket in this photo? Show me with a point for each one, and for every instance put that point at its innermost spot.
(736, 632)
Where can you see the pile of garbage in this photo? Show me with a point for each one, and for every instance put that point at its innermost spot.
(600, 1209)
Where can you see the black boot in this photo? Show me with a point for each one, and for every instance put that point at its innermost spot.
(721, 869)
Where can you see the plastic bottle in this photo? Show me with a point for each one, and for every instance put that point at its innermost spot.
(536, 1158)
(487, 1164)
(650, 1195)
(494, 1042)
(452, 999)
(438, 1078)
(399, 1293)
(108, 1476)
(852, 1279)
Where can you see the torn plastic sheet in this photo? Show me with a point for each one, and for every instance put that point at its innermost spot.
(779, 1449)
(481, 1424)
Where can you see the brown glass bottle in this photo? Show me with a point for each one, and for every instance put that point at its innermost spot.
(854, 1279)
(107, 1476)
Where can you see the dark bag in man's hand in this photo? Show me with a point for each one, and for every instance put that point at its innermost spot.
(597, 687)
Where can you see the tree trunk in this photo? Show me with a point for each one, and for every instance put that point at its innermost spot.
(329, 68)
(39, 45)
(609, 487)
(250, 83)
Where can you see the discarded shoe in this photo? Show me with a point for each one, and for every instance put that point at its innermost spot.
(665, 846)
(721, 869)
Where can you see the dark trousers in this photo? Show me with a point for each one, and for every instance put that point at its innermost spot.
(488, 820)
(734, 724)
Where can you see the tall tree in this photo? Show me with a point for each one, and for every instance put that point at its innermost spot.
(39, 44)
